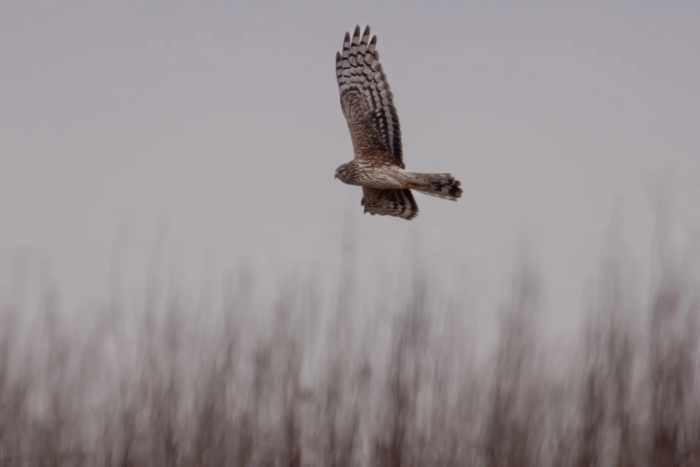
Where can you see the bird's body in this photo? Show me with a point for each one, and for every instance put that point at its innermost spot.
(378, 166)
(380, 174)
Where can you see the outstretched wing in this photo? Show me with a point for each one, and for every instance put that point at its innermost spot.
(367, 101)
(398, 203)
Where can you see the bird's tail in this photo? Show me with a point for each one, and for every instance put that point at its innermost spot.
(440, 185)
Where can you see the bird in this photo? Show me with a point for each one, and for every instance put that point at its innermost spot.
(378, 167)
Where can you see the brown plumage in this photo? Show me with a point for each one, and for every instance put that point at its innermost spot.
(368, 106)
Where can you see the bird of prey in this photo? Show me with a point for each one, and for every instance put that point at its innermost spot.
(378, 166)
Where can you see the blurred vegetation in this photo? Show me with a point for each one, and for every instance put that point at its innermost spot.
(166, 382)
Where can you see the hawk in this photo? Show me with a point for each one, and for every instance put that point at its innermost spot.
(378, 166)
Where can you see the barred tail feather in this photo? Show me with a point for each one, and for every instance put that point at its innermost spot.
(440, 185)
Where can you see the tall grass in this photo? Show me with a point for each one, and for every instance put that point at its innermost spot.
(170, 382)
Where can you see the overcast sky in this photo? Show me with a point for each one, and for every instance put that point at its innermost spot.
(215, 126)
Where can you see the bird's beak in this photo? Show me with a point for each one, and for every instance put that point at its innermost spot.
(335, 176)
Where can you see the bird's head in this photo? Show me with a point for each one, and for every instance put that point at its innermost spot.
(342, 173)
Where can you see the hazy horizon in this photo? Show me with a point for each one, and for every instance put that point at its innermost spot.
(184, 283)
(196, 138)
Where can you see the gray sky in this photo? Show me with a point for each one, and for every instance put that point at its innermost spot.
(216, 127)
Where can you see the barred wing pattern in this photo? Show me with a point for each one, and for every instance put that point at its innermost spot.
(367, 101)
(368, 106)
(398, 203)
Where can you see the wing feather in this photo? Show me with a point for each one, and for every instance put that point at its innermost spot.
(366, 99)
(397, 203)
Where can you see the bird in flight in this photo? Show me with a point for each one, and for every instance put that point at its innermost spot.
(378, 166)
